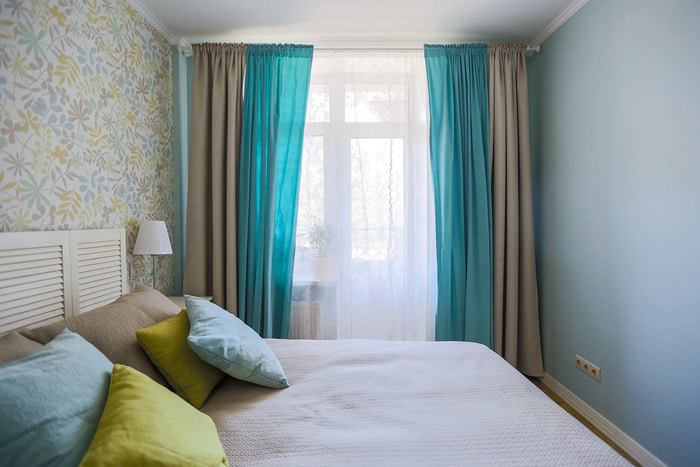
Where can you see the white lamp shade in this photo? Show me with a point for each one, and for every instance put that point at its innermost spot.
(152, 239)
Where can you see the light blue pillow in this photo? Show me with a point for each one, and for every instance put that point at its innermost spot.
(226, 342)
(51, 402)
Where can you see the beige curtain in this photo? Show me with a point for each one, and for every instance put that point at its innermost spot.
(515, 306)
(212, 201)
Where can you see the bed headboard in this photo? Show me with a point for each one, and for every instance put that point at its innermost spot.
(49, 276)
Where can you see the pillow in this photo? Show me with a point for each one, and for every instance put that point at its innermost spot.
(51, 402)
(145, 424)
(14, 346)
(226, 342)
(112, 328)
(166, 346)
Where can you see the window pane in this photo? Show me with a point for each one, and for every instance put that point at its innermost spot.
(376, 103)
(310, 189)
(377, 197)
(318, 107)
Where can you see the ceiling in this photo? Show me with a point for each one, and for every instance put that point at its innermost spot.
(357, 23)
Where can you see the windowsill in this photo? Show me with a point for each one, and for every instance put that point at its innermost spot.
(307, 280)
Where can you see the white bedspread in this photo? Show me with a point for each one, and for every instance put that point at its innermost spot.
(398, 403)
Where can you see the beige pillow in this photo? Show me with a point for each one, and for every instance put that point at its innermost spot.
(112, 328)
(14, 346)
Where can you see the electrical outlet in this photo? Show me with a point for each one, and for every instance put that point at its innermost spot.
(587, 367)
(138, 271)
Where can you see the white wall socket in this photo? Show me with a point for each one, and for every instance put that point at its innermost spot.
(587, 367)
(138, 271)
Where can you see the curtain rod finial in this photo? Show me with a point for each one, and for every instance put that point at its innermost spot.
(185, 47)
(532, 49)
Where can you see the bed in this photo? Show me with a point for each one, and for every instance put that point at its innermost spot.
(349, 402)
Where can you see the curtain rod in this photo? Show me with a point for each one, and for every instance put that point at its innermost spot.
(186, 48)
(530, 49)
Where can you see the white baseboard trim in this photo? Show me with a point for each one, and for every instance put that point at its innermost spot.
(619, 437)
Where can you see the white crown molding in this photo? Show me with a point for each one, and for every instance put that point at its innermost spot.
(619, 437)
(185, 47)
(155, 22)
(557, 22)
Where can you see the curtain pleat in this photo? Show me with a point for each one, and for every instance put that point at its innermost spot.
(277, 84)
(515, 303)
(217, 107)
(459, 139)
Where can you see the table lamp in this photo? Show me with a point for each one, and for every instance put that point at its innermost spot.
(153, 240)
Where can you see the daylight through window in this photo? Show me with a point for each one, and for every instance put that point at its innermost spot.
(365, 265)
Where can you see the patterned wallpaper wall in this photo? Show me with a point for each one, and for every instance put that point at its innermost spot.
(85, 119)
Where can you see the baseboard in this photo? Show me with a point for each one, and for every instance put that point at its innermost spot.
(619, 437)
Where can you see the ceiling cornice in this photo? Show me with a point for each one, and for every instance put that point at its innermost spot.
(557, 22)
(155, 22)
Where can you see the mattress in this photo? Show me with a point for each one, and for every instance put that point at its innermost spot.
(398, 403)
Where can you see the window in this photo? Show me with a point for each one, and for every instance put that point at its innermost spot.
(365, 264)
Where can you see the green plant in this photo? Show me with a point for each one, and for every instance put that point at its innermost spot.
(320, 238)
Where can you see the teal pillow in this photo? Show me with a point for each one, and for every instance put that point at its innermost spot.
(51, 402)
(226, 342)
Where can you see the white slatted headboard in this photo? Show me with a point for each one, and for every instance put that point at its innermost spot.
(49, 276)
(98, 259)
(33, 271)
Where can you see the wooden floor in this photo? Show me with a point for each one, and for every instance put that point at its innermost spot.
(552, 395)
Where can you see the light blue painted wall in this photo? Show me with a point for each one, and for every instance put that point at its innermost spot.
(615, 103)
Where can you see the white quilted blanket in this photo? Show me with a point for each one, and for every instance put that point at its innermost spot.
(398, 403)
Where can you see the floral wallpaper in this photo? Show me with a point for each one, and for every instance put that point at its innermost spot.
(85, 120)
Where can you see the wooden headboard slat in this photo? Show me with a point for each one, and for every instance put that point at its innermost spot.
(46, 276)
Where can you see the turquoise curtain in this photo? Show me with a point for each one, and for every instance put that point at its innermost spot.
(459, 155)
(274, 110)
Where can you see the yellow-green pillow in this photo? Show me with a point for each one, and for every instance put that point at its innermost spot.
(166, 345)
(145, 424)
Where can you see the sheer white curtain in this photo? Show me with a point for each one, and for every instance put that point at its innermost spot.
(365, 259)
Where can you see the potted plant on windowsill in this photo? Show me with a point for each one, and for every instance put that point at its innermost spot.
(319, 242)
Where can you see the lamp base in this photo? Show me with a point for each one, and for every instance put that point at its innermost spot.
(153, 258)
